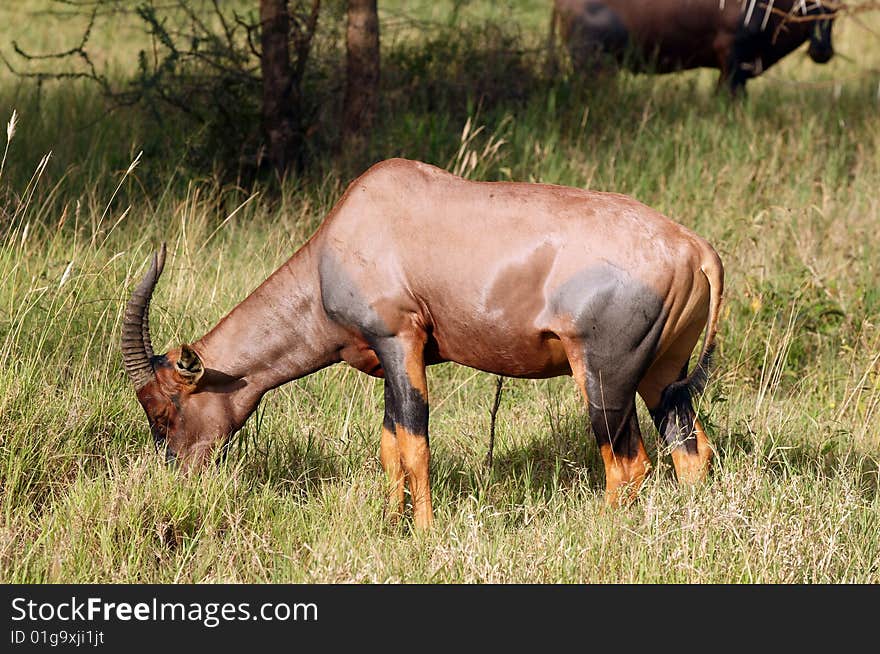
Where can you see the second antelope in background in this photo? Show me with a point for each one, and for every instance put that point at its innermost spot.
(741, 38)
(415, 266)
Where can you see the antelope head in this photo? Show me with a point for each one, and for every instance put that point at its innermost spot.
(190, 412)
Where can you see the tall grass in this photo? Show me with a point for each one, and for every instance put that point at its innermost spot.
(784, 185)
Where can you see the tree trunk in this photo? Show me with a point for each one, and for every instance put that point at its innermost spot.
(362, 71)
(279, 98)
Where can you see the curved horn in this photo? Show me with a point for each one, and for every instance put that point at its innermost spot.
(137, 350)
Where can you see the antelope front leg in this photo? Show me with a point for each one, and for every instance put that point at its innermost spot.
(402, 358)
(416, 458)
(389, 453)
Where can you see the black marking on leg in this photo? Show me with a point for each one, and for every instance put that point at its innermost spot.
(345, 304)
(619, 319)
(408, 407)
(821, 46)
(616, 427)
(388, 419)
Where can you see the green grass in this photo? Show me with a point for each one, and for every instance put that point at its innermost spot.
(784, 186)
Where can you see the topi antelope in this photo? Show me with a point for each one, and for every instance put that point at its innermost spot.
(741, 38)
(415, 266)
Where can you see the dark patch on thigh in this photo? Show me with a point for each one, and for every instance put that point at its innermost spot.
(620, 320)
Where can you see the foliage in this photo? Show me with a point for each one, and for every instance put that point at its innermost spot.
(198, 81)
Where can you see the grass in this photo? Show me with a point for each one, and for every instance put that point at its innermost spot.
(784, 185)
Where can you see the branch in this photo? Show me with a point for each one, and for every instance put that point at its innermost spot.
(79, 50)
(499, 385)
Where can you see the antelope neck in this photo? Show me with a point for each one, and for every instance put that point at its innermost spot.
(279, 333)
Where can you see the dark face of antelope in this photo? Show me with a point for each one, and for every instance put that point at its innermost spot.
(188, 415)
(821, 49)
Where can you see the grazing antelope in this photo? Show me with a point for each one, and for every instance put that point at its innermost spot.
(741, 38)
(415, 266)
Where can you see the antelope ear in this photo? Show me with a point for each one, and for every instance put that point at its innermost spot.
(189, 365)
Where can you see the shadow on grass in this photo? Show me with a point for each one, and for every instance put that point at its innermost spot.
(562, 456)
(291, 466)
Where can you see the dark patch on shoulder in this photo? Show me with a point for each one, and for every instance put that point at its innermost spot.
(343, 301)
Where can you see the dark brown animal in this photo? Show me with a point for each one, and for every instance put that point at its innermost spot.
(415, 266)
(741, 38)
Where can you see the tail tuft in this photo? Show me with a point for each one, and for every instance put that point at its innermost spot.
(677, 393)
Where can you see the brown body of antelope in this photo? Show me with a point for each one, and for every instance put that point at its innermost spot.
(741, 38)
(415, 266)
